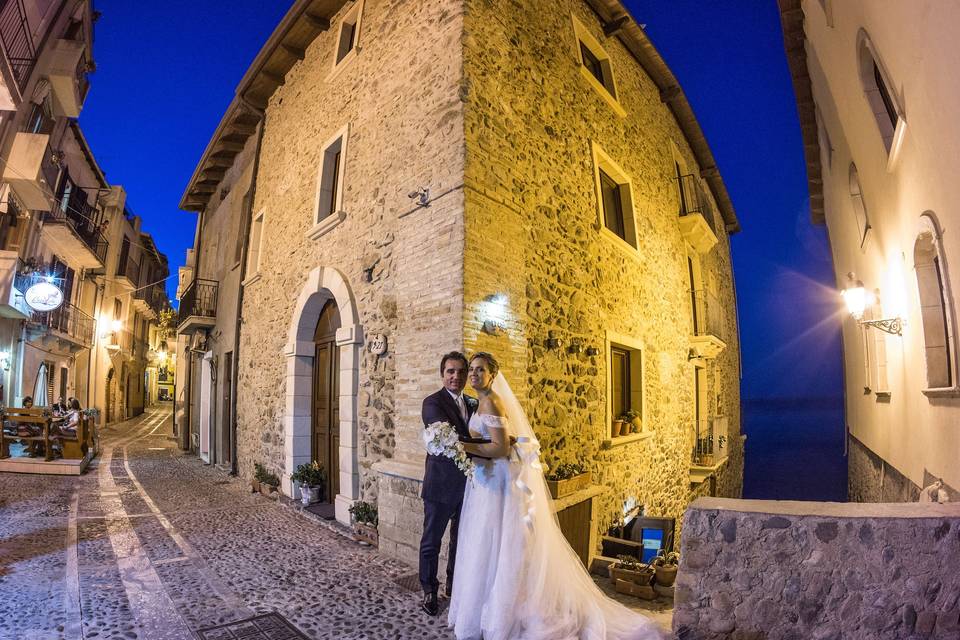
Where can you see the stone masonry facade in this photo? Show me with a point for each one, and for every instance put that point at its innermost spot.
(791, 570)
(482, 103)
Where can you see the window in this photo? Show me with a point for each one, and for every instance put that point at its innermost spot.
(328, 210)
(256, 244)
(41, 118)
(614, 199)
(348, 35)
(859, 208)
(625, 377)
(875, 348)
(595, 65)
(938, 336)
(124, 256)
(880, 95)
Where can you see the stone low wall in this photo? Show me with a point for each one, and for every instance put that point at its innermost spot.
(753, 569)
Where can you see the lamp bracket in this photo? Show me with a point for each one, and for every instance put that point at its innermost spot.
(892, 326)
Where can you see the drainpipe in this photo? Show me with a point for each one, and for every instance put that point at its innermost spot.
(247, 222)
(95, 352)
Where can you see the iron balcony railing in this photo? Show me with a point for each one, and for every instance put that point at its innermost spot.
(694, 200)
(710, 441)
(70, 320)
(154, 295)
(17, 41)
(129, 269)
(74, 210)
(708, 319)
(199, 299)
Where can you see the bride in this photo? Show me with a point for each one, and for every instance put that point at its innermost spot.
(517, 578)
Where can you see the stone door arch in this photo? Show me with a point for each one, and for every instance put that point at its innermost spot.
(322, 285)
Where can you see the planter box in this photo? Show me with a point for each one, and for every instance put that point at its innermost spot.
(643, 577)
(267, 489)
(366, 533)
(561, 488)
(642, 591)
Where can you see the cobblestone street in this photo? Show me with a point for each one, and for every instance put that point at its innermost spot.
(152, 543)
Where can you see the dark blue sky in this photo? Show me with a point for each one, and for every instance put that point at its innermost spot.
(166, 72)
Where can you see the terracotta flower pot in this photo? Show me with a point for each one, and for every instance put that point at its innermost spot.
(617, 428)
(366, 533)
(666, 575)
(254, 486)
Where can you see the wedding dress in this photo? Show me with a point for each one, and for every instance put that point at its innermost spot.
(516, 576)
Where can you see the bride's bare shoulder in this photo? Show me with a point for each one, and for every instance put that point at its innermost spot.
(491, 404)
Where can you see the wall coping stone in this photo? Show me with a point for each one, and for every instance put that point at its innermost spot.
(830, 509)
(398, 469)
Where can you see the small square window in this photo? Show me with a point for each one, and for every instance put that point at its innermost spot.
(614, 199)
(348, 35)
(595, 65)
(256, 244)
(626, 380)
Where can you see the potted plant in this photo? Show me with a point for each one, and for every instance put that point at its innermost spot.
(365, 519)
(311, 477)
(665, 566)
(633, 420)
(617, 429)
(631, 569)
(268, 482)
(259, 473)
(568, 478)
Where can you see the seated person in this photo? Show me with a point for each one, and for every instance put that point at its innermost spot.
(67, 428)
(25, 429)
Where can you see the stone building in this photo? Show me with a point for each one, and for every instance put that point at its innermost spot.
(62, 227)
(877, 110)
(522, 178)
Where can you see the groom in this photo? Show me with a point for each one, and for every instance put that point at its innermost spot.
(443, 482)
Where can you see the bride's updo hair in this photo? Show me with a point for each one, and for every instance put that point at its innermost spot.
(492, 363)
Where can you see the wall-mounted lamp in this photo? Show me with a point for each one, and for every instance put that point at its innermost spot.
(5, 360)
(493, 314)
(858, 300)
(592, 352)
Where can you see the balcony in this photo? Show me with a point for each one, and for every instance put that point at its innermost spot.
(128, 271)
(31, 171)
(198, 306)
(67, 75)
(710, 447)
(12, 302)
(68, 325)
(151, 300)
(72, 229)
(696, 214)
(706, 339)
(18, 47)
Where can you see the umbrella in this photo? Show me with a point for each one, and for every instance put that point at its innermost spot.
(40, 397)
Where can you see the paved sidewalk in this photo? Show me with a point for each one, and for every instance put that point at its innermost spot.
(152, 544)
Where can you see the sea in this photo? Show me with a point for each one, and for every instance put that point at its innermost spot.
(794, 449)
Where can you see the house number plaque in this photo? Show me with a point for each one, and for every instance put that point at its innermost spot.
(378, 344)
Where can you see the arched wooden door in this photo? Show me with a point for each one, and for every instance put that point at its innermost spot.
(326, 397)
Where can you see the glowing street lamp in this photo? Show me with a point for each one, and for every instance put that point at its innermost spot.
(858, 299)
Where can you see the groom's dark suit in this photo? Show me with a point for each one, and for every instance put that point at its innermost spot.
(443, 485)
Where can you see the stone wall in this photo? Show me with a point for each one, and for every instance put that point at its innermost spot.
(532, 235)
(754, 569)
(872, 479)
(401, 263)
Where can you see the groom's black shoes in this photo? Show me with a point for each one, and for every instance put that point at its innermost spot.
(430, 604)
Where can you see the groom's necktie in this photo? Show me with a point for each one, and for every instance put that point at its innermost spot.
(461, 405)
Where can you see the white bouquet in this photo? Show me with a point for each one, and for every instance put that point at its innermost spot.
(442, 440)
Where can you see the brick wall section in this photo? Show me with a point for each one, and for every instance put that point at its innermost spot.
(399, 95)
(531, 233)
(762, 569)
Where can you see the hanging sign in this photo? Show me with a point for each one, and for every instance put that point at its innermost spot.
(43, 296)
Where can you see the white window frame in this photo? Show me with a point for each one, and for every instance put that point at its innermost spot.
(324, 222)
(255, 254)
(602, 161)
(867, 56)
(352, 16)
(583, 36)
(929, 224)
(860, 213)
(614, 339)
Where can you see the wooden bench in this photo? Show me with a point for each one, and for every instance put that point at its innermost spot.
(32, 417)
(76, 447)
